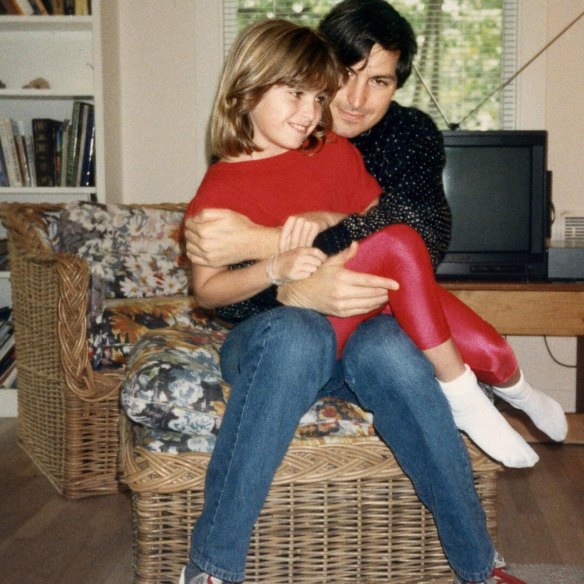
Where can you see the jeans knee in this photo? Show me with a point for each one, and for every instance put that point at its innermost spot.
(379, 347)
(303, 337)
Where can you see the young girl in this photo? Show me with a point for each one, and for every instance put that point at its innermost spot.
(278, 162)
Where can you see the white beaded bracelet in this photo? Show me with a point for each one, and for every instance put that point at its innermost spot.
(270, 271)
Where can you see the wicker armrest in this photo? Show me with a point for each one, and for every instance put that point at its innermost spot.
(49, 293)
(67, 412)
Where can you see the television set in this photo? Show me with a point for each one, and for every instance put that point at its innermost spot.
(497, 185)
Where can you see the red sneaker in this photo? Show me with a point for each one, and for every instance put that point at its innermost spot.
(500, 576)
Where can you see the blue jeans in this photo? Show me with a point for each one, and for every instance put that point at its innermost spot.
(279, 363)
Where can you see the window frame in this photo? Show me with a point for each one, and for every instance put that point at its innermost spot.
(509, 50)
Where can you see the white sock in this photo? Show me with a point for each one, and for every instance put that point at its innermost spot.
(545, 412)
(475, 415)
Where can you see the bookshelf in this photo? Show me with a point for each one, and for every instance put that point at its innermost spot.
(65, 51)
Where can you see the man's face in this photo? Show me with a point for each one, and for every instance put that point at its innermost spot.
(365, 97)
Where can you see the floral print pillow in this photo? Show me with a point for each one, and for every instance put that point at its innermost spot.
(124, 321)
(133, 252)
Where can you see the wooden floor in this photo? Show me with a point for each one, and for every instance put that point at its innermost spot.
(45, 539)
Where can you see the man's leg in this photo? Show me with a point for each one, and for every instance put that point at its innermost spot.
(395, 382)
(276, 362)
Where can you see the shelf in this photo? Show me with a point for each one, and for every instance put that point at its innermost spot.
(36, 23)
(39, 191)
(45, 94)
(66, 52)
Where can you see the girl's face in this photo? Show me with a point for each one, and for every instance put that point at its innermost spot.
(284, 118)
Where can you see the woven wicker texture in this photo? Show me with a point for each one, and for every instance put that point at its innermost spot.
(336, 512)
(67, 413)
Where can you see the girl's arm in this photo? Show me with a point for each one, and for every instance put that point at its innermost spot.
(216, 287)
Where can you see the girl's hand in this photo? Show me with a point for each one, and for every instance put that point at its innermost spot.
(300, 230)
(296, 264)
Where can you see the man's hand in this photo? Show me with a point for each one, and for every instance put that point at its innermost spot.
(219, 237)
(336, 291)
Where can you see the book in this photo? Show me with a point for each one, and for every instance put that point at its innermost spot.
(83, 117)
(57, 134)
(39, 7)
(73, 142)
(43, 132)
(10, 153)
(4, 182)
(65, 137)
(81, 7)
(8, 378)
(55, 7)
(5, 350)
(18, 132)
(29, 146)
(12, 7)
(25, 7)
(86, 170)
(69, 7)
(5, 331)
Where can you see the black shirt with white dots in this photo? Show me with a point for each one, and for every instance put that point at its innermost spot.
(405, 153)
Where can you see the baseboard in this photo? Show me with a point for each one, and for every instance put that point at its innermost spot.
(525, 427)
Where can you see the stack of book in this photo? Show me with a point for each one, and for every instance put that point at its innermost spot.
(45, 7)
(58, 153)
(7, 352)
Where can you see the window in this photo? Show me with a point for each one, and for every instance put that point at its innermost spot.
(466, 50)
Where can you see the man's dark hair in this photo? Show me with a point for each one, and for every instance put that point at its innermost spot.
(354, 26)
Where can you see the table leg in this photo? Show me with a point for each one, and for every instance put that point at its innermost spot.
(579, 374)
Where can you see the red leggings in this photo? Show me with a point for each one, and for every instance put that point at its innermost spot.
(428, 313)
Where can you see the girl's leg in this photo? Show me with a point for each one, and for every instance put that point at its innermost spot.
(492, 359)
(399, 252)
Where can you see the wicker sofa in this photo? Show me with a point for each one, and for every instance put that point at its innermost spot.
(68, 396)
(339, 506)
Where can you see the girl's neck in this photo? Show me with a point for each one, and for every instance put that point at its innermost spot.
(261, 155)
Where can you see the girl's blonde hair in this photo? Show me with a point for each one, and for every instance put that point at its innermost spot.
(268, 53)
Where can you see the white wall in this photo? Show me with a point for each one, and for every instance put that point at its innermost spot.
(163, 59)
(550, 97)
(169, 54)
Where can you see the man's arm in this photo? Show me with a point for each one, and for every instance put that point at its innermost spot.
(336, 291)
(332, 290)
(220, 237)
(406, 155)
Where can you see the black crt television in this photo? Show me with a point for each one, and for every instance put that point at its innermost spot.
(497, 185)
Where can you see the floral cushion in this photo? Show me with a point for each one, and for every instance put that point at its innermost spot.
(133, 252)
(124, 321)
(173, 388)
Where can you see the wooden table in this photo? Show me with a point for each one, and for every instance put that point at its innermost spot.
(533, 309)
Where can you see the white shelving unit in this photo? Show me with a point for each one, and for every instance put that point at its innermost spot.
(66, 51)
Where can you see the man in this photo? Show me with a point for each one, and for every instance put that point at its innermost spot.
(380, 368)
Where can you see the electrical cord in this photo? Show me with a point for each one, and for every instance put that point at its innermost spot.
(567, 365)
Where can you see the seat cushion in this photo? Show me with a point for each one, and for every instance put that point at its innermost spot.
(174, 389)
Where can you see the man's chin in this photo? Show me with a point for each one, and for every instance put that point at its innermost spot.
(347, 130)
